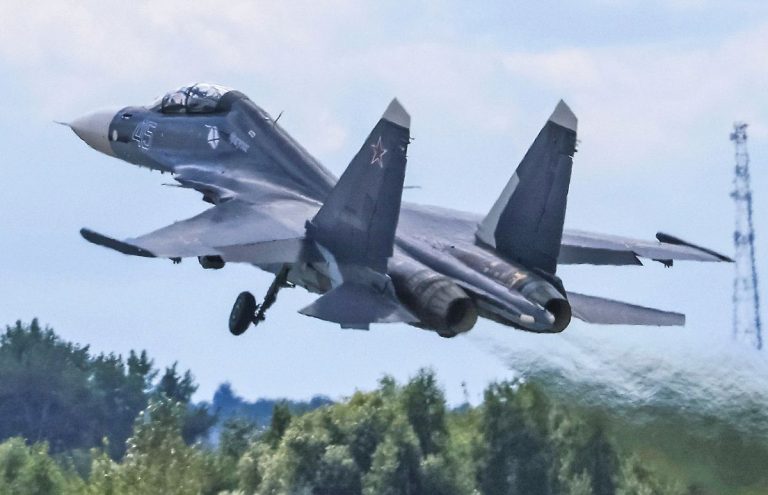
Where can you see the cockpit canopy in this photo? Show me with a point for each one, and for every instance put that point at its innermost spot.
(195, 98)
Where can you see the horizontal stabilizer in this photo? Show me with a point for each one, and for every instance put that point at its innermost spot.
(599, 310)
(355, 305)
(669, 239)
(120, 246)
(579, 247)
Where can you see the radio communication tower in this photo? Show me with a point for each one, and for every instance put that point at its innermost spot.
(746, 298)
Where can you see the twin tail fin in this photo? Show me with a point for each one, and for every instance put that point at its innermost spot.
(526, 222)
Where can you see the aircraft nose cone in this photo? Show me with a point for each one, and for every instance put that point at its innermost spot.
(93, 128)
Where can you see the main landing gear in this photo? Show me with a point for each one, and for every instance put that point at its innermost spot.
(245, 310)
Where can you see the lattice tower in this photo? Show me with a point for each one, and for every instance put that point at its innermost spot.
(746, 296)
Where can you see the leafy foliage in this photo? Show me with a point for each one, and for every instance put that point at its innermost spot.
(179, 388)
(44, 388)
(424, 406)
(393, 440)
(518, 441)
(157, 461)
(57, 392)
(516, 453)
(29, 470)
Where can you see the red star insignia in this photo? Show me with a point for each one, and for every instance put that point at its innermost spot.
(378, 153)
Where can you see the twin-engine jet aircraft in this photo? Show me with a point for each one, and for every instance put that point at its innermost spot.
(372, 258)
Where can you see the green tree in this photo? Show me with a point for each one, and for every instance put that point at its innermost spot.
(29, 470)
(463, 447)
(583, 452)
(44, 388)
(221, 465)
(235, 436)
(424, 405)
(252, 465)
(119, 394)
(293, 466)
(393, 440)
(440, 476)
(105, 474)
(55, 391)
(219, 473)
(180, 388)
(176, 387)
(396, 466)
(338, 473)
(599, 461)
(363, 422)
(158, 460)
(281, 419)
(635, 479)
(516, 455)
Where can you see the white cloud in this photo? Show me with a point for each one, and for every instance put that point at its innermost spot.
(95, 44)
(636, 98)
(653, 96)
(165, 34)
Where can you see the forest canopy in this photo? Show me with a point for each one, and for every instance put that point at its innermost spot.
(76, 423)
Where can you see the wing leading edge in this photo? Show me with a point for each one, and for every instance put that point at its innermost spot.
(272, 232)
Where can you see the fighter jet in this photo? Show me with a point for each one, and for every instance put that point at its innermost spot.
(371, 257)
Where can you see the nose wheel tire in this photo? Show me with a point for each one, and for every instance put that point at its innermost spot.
(242, 313)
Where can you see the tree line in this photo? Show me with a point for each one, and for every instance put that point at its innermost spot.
(74, 423)
(57, 392)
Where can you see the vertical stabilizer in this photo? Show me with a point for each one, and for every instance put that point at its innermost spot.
(358, 220)
(526, 222)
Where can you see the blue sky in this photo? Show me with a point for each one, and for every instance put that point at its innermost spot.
(656, 86)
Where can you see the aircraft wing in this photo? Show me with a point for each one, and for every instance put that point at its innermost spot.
(599, 310)
(579, 247)
(268, 232)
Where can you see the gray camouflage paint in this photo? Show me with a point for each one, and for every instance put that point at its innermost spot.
(276, 206)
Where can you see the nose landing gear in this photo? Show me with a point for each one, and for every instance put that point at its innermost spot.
(245, 310)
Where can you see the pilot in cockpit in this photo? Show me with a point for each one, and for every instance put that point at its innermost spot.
(195, 98)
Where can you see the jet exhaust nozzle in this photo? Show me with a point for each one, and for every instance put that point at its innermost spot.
(436, 300)
(542, 293)
(552, 312)
(560, 309)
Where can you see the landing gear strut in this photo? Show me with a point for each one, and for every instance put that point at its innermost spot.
(245, 310)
